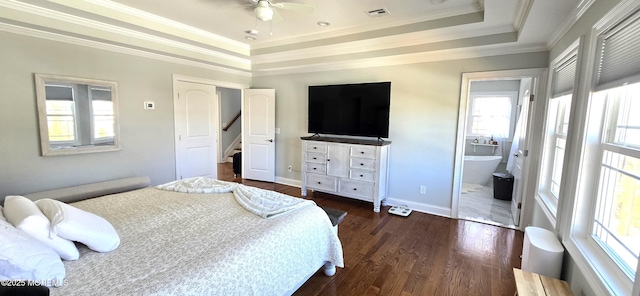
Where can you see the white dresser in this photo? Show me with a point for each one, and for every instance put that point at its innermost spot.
(346, 167)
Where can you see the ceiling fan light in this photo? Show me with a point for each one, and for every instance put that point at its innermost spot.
(263, 13)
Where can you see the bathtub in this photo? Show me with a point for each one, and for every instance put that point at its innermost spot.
(479, 169)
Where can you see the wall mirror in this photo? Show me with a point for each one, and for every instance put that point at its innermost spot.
(77, 115)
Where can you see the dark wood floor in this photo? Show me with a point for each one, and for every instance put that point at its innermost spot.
(418, 255)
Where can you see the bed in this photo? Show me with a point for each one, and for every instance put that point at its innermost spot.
(175, 243)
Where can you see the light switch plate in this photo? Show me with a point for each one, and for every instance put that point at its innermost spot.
(149, 105)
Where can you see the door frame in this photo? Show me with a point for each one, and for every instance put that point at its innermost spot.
(217, 83)
(534, 123)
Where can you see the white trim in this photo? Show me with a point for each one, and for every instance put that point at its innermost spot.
(76, 21)
(522, 14)
(423, 57)
(438, 15)
(418, 206)
(571, 20)
(531, 170)
(220, 155)
(576, 212)
(289, 182)
(169, 23)
(217, 83)
(116, 48)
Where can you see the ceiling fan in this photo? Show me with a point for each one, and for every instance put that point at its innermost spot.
(264, 9)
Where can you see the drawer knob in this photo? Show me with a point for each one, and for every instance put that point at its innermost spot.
(362, 164)
(314, 158)
(314, 168)
(354, 189)
(360, 175)
(319, 183)
(328, 159)
(361, 152)
(315, 147)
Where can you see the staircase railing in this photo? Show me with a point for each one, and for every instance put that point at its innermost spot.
(231, 122)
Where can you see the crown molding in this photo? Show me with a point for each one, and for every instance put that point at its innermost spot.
(413, 39)
(423, 57)
(154, 22)
(571, 20)
(118, 49)
(48, 19)
(523, 13)
(440, 14)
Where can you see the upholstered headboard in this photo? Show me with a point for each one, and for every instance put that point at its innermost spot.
(78, 193)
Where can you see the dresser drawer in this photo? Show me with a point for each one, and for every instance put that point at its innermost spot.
(363, 151)
(316, 147)
(362, 175)
(361, 163)
(317, 168)
(322, 182)
(356, 188)
(315, 157)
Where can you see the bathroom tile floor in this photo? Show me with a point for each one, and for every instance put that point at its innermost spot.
(477, 204)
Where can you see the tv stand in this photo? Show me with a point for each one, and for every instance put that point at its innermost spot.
(347, 167)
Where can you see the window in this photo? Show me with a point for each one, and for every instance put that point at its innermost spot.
(491, 114)
(604, 227)
(616, 223)
(102, 119)
(557, 127)
(61, 117)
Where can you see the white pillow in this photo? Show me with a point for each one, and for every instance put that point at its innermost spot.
(25, 215)
(77, 225)
(22, 257)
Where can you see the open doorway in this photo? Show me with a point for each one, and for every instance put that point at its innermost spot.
(230, 105)
(197, 120)
(491, 155)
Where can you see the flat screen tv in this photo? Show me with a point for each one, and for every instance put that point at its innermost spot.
(350, 109)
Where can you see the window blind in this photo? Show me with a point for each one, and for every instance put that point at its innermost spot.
(564, 76)
(59, 93)
(619, 57)
(100, 94)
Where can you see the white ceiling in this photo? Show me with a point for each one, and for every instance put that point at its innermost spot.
(211, 33)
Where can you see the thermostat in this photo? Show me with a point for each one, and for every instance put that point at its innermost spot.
(149, 105)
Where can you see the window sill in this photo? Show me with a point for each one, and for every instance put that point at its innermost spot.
(602, 276)
(549, 206)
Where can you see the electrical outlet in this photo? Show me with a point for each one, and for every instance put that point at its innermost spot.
(289, 168)
(423, 189)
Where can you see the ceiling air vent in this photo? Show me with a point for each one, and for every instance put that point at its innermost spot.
(378, 12)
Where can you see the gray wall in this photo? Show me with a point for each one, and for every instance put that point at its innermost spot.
(230, 104)
(147, 135)
(424, 116)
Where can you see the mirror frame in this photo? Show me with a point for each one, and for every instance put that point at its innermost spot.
(40, 81)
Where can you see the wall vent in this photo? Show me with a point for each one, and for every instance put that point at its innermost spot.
(378, 12)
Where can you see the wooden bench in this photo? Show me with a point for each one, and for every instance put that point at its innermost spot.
(529, 283)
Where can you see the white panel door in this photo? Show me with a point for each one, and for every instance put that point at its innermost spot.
(195, 115)
(520, 160)
(258, 134)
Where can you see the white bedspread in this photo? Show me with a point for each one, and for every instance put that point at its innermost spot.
(200, 244)
(264, 203)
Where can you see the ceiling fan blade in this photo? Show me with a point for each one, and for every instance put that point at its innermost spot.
(276, 16)
(295, 6)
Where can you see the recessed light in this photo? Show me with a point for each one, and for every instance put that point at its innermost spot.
(252, 32)
(249, 38)
(323, 24)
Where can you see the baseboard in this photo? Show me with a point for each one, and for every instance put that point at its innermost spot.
(289, 182)
(420, 207)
